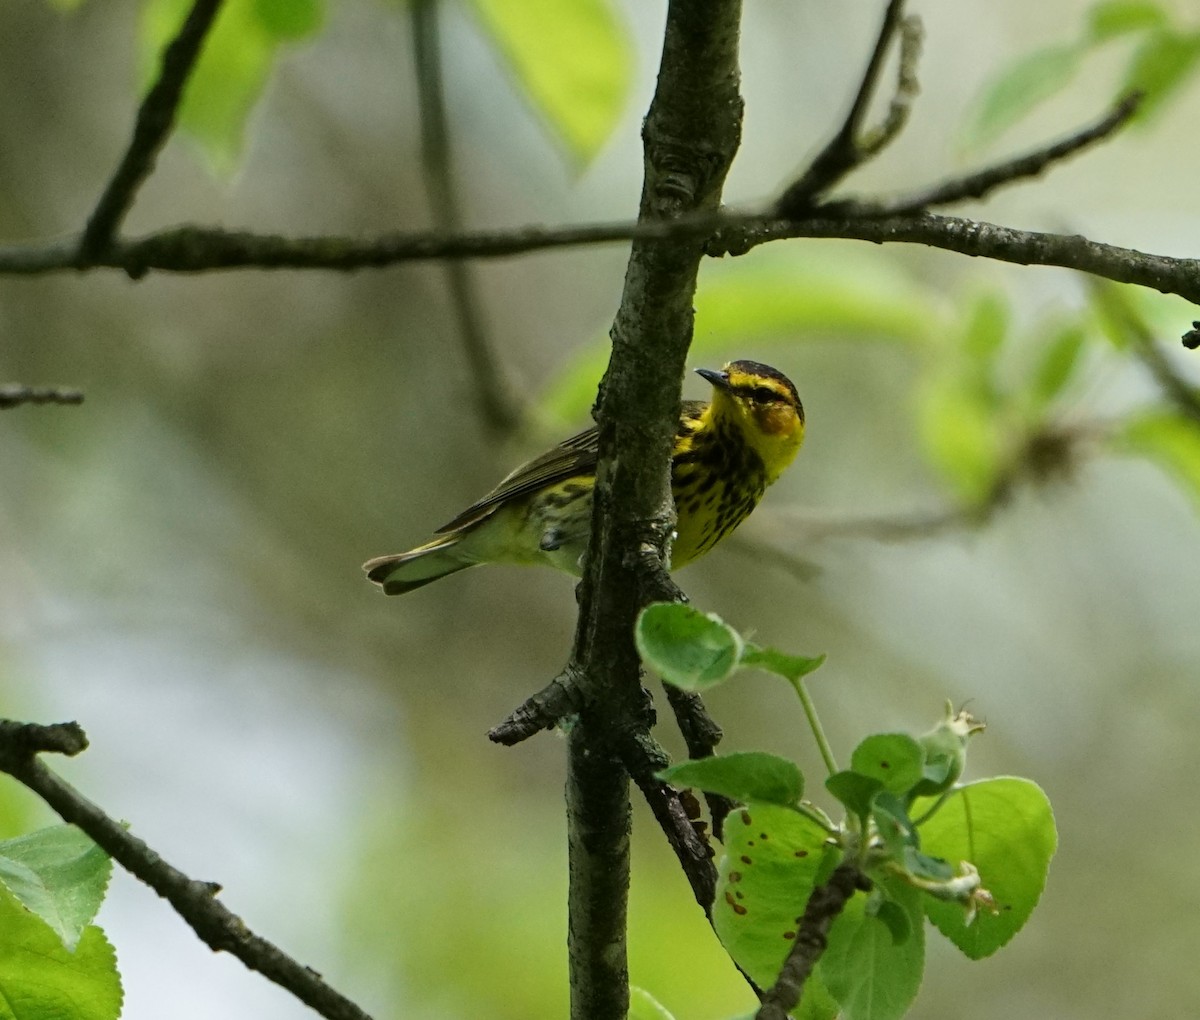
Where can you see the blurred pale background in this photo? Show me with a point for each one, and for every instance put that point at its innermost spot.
(179, 557)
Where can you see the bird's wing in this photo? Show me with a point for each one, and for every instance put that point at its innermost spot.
(571, 457)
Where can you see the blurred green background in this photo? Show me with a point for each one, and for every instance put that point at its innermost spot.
(179, 557)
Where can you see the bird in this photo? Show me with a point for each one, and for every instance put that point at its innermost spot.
(726, 452)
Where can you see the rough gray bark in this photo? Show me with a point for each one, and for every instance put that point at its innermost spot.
(690, 137)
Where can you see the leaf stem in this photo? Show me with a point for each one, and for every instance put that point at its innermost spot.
(815, 814)
(935, 807)
(814, 723)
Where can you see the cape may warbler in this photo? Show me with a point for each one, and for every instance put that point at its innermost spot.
(727, 452)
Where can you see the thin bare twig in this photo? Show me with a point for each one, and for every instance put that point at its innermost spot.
(155, 119)
(873, 142)
(983, 182)
(541, 711)
(701, 734)
(643, 759)
(194, 901)
(14, 395)
(497, 399)
(846, 150)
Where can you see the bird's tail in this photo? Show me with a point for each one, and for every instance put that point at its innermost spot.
(407, 571)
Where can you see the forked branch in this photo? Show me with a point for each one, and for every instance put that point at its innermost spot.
(155, 119)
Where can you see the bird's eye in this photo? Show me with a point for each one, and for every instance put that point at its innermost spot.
(763, 394)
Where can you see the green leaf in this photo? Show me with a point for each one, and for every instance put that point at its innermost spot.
(1106, 21)
(895, 759)
(893, 823)
(770, 863)
(1011, 96)
(59, 874)
(897, 919)
(1161, 65)
(923, 866)
(815, 1001)
(66, 5)
(1170, 441)
(687, 648)
(232, 69)
(745, 776)
(644, 1006)
(962, 435)
(854, 790)
(40, 979)
(871, 974)
(571, 60)
(790, 667)
(1005, 828)
(1057, 364)
(289, 19)
(986, 325)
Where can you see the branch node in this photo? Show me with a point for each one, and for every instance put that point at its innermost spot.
(541, 711)
(850, 147)
(24, 740)
(1191, 339)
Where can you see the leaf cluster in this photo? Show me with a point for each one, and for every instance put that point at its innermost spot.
(971, 858)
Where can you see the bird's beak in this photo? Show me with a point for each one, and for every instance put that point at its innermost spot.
(719, 379)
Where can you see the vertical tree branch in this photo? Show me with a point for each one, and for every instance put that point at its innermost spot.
(496, 399)
(598, 855)
(690, 136)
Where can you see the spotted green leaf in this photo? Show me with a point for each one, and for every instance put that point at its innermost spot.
(895, 759)
(773, 857)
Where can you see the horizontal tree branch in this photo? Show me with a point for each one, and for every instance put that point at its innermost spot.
(14, 395)
(192, 249)
(194, 901)
(988, 240)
